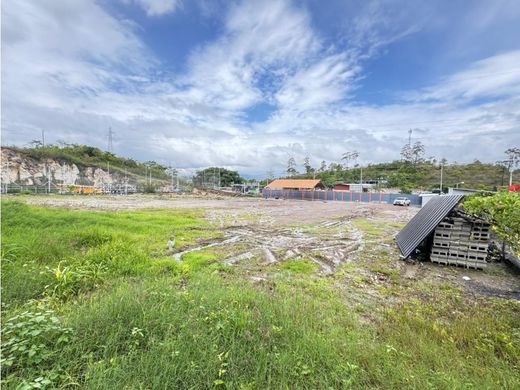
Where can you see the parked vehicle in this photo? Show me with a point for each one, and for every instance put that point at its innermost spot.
(401, 201)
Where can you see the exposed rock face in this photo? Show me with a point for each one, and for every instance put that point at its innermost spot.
(19, 168)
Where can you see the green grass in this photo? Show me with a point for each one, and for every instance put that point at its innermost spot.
(92, 300)
(371, 229)
(37, 241)
(304, 266)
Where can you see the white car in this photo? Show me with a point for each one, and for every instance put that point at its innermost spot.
(401, 201)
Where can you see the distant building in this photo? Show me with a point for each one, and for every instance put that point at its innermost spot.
(426, 197)
(341, 187)
(296, 184)
(464, 191)
(354, 187)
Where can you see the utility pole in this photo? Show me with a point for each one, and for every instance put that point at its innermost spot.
(219, 178)
(172, 177)
(46, 165)
(48, 180)
(126, 182)
(109, 179)
(361, 178)
(442, 168)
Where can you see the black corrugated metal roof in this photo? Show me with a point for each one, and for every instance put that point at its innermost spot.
(425, 222)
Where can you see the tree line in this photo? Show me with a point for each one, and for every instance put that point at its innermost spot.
(414, 170)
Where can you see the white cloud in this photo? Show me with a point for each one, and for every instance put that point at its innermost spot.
(260, 41)
(158, 7)
(61, 74)
(496, 76)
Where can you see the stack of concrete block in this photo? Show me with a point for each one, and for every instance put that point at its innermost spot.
(462, 242)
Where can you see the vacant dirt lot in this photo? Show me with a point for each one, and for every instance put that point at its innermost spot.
(260, 235)
(286, 212)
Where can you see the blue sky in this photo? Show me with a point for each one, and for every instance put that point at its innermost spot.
(249, 84)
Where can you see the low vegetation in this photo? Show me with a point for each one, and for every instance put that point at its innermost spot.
(424, 175)
(93, 300)
(413, 171)
(502, 210)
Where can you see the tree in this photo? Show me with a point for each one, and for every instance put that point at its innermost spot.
(335, 167)
(350, 156)
(406, 153)
(413, 154)
(35, 143)
(307, 165)
(418, 151)
(323, 166)
(291, 167)
(514, 155)
(213, 176)
(512, 160)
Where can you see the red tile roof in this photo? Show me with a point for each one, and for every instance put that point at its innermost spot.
(293, 183)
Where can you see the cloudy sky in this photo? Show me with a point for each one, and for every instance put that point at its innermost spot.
(248, 84)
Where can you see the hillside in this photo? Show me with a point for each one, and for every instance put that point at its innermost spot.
(75, 164)
(88, 165)
(420, 176)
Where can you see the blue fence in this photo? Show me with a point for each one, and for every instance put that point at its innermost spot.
(345, 196)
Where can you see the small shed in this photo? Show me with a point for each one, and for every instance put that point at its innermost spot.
(296, 184)
(341, 187)
(446, 235)
(355, 187)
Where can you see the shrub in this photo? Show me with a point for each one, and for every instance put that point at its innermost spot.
(70, 280)
(31, 339)
(502, 210)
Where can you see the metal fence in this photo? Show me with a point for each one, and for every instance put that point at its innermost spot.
(27, 189)
(345, 196)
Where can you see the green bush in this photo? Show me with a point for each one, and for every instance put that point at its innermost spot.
(31, 340)
(502, 210)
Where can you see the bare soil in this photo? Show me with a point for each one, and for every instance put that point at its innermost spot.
(275, 210)
(260, 234)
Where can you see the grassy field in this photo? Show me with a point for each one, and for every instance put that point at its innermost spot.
(93, 300)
